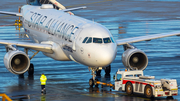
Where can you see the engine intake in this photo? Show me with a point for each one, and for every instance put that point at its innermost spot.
(134, 59)
(17, 62)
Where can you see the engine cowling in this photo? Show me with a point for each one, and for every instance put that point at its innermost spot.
(17, 62)
(134, 59)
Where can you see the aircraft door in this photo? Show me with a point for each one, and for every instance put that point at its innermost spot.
(74, 36)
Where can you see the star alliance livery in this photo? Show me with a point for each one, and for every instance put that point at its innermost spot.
(63, 36)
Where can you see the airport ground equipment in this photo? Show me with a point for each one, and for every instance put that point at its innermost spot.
(134, 81)
(5, 97)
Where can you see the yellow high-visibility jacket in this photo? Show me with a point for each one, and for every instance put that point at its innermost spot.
(43, 79)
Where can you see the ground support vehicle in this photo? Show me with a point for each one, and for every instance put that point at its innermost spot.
(134, 81)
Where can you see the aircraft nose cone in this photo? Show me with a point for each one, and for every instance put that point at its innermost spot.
(106, 56)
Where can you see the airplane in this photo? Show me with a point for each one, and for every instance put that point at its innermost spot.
(63, 36)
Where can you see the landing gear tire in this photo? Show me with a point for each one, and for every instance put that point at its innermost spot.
(31, 69)
(148, 91)
(108, 70)
(91, 82)
(129, 88)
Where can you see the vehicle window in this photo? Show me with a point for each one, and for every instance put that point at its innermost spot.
(97, 40)
(107, 40)
(118, 77)
(129, 75)
(85, 40)
(137, 75)
(89, 40)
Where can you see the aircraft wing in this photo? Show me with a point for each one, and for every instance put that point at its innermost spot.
(36, 46)
(11, 13)
(145, 38)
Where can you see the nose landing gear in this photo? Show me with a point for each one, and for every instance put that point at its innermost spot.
(93, 80)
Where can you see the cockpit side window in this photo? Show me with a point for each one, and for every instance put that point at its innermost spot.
(107, 40)
(97, 40)
(89, 40)
(85, 39)
(112, 40)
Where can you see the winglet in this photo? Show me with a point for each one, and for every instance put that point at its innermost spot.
(11, 13)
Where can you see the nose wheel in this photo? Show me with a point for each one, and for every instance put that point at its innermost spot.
(91, 82)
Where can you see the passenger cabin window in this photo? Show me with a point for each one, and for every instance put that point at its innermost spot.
(107, 40)
(89, 40)
(97, 40)
(85, 40)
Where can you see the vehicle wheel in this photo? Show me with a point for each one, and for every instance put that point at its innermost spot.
(169, 98)
(31, 69)
(96, 85)
(108, 69)
(91, 82)
(148, 91)
(129, 88)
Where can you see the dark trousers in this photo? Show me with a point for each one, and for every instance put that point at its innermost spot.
(42, 87)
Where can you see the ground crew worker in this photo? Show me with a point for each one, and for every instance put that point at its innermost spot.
(43, 83)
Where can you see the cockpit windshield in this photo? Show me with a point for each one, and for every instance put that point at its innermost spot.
(89, 40)
(107, 40)
(98, 40)
(85, 39)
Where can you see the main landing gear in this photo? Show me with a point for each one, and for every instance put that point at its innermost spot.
(31, 69)
(93, 80)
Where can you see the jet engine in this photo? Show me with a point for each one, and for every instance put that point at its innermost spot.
(17, 62)
(134, 59)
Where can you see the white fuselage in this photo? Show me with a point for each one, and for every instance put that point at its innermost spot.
(79, 39)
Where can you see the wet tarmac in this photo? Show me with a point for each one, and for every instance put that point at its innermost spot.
(68, 81)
